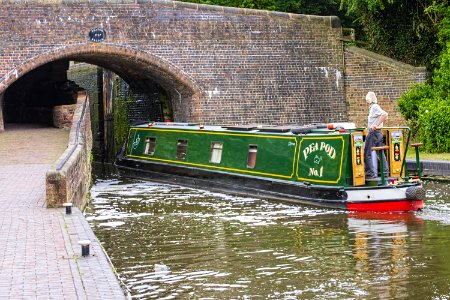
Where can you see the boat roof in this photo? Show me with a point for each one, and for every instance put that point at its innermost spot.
(316, 128)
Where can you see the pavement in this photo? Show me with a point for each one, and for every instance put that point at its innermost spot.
(39, 253)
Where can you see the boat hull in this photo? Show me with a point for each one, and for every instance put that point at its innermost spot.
(386, 206)
(375, 198)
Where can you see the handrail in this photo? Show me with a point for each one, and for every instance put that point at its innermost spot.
(404, 156)
(77, 134)
(406, 148)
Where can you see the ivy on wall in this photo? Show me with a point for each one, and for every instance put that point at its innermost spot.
(122, 106)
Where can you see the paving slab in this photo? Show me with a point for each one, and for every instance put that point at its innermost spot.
(39, 253)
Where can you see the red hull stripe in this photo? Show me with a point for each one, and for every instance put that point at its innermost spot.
(405, 205)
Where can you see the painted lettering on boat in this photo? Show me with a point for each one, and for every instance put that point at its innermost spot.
(321, 159)
(314, 172)
(322, 146)
(136, 142)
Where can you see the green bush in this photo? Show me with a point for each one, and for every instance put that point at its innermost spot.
(410, 103)
(435, 123)
(427, 106)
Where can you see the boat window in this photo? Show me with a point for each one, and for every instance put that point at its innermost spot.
(252, 151)
(216, 152)
(150, 145)
(182, 149)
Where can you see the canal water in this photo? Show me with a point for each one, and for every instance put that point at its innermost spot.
(173, 242)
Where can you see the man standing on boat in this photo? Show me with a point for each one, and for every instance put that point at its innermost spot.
(374, 138)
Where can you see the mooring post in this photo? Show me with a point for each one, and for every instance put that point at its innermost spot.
(84, 247)
(68, 207)
(418, 166)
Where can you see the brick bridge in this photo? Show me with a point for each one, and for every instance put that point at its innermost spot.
(216, 64)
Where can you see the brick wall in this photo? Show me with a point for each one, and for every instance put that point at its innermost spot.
(366, 71)
(218, 65)
(63, 115)
(69, 179)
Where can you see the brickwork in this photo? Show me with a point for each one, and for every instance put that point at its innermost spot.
(69, 178)
(218, 65)
(63, 115)
(366, 71)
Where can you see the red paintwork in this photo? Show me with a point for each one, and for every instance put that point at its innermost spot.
(404, 216)
(404, 205)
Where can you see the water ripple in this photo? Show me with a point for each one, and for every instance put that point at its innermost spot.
(172, 242)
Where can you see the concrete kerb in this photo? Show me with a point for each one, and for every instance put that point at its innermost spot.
(90, 269)
(76, 275)
(430, 168)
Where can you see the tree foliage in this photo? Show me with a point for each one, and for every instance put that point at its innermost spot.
(402, 29)
(427, 106)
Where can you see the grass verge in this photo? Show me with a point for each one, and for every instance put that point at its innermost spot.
(427, 156)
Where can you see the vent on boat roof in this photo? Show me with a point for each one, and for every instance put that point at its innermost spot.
(241, 127)
(307, 128)
(139, 122)
(284, 128)
(175, 124)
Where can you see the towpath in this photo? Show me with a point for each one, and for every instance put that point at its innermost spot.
(39, 252)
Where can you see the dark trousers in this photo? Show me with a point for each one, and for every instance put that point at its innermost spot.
(373, 139)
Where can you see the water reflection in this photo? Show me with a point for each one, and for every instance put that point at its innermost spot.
(381, 243)
(172, 242)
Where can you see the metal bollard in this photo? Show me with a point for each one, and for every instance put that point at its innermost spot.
(84, 247)
(68, 207)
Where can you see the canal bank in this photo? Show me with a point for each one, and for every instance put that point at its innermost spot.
(39, 252)
(431, 168)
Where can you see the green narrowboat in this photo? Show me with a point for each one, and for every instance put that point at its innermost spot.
(315, 164)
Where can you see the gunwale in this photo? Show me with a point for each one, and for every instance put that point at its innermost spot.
(338, 193)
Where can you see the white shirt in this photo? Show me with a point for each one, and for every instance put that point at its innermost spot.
(375, 112)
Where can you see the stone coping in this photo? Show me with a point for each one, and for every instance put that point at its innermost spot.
(332, 21)
(430, 167)
(68, 179)
(386, 60)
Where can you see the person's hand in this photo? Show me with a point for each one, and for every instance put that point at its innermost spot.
(373, 127)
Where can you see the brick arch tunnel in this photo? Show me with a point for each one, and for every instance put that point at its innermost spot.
(140, 69)
(42, 83)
